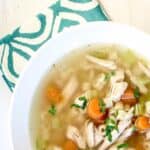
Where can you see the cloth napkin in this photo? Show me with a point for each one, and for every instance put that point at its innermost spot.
(19, 43)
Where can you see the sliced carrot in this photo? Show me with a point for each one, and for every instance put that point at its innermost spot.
(53, 94)
(70, 145)
(128, 97)
(142, 123)
(94, 111)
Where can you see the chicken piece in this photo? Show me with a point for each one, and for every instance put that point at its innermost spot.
(68, 91)
(121, 114)
(116, 91)
(147, 106)
(105, 64)
(127, 133)
(122, 125)
(92, 135)
(118, 77)
(101, 130)
(99, 83)
(136, 82)
(74, 135)
(115, 134)
(87, 66)
(147, 135)
(70, 88)
(145, 69)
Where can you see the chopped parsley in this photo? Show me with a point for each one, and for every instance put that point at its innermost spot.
(108, 75)
(122, 146)
(84, 104)
(110, 126)
(52, 110)
(102, 105)
(136, 93)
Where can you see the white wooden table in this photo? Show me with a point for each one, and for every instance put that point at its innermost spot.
(132, 12)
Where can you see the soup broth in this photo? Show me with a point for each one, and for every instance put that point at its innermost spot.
(95, 98)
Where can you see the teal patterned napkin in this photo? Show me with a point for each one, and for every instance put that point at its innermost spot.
(18, 47)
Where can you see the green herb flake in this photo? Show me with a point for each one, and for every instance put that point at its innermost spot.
(83, 98)
(108, 75)
(52, 110)
(136, 93)
(110, 126)
(76, 105)
(102, 105)
(122, 146)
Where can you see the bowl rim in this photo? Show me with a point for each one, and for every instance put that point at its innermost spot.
(97, 25)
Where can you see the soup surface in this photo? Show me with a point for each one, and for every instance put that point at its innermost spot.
(95, 98)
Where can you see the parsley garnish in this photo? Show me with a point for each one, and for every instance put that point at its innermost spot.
(52, 110)
(124, 146)
(110, 126)
(136, 93)
(102, 105)
(108, 75)
(83, 98)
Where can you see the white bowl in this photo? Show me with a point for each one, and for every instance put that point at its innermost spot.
(49, 53)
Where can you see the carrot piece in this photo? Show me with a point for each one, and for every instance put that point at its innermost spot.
(128, 97)
(53, 94)
(142, 123)
(70, 145)
(94, 111)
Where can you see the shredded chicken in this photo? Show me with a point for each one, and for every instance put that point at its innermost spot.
(87, 66)
(101, 130)
(122, 125)
(126, 134)
(70, 88)
(116, 91)
(68, 91)
(121, 114)
(115, 134)
(106, 64)
(147, 107)
(118, 77)
(145, 69)
(74, 134)
(92, 135)
(147, 135)
(136, 82)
